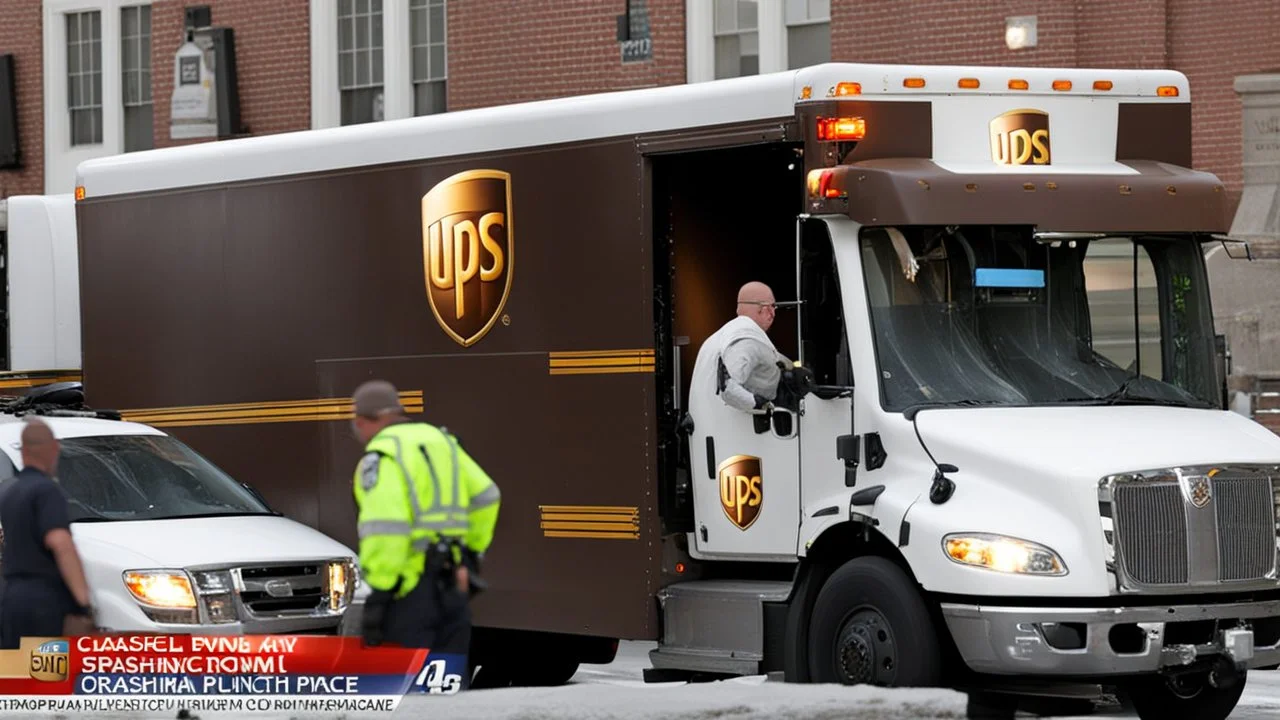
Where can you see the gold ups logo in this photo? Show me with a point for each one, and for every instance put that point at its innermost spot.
(1019, 137)
(467, 251)
(741, 489)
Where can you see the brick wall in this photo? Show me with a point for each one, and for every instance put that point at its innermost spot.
(504, 51)
(21, 34)
(1211, 42)
(273, 61)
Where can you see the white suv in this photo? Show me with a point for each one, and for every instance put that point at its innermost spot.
(172, 544)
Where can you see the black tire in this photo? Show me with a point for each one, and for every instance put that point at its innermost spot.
(1155, 698)
(870, 613)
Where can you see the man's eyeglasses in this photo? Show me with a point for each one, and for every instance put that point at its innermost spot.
(769, 305)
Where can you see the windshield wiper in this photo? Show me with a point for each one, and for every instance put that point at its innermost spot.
(1121, 394)
(910, 411)
(92, 519)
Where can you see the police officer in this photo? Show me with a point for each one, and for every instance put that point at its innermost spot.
(426, 516)
(44, 584)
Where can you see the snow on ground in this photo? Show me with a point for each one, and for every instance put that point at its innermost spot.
(618, 692)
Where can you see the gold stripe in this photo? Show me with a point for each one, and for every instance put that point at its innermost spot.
(608, 522)
(600, 362)
(326, 409)
(35, 381)
(602, 370)
(408, 395)
(593, 535)
(589, 508)
(598, 353)
(614, 527)
(578, 517)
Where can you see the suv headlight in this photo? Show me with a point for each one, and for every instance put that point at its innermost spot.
(1003, 554)
(164, 595)
(343, 579)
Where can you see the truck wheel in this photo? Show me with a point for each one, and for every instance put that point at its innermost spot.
(870, 626)
(1190, 696)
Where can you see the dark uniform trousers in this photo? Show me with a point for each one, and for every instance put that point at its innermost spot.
(31, 607)
(432, 616)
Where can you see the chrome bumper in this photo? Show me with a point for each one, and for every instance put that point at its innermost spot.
(1013, 640)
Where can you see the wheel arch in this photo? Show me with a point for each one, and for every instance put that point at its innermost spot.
(835, 546)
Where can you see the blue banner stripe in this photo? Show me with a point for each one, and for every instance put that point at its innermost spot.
(124, 684)
(1008, 278)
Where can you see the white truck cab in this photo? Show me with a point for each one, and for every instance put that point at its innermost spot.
(169, 542)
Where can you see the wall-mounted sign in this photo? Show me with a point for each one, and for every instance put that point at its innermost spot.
(193, 107)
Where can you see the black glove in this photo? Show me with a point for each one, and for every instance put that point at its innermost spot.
(475, 583)
(374, 617)
(761, 401)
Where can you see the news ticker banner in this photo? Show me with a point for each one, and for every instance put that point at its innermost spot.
(234, 673)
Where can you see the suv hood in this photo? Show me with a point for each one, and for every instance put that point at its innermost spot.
(189, 542)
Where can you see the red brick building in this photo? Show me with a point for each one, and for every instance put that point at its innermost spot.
(96, 77)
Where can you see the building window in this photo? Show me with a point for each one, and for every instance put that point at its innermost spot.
(737, 38)
(427, 36)
(808, 32)
(360, 60)
(135, 64)
(84, 77)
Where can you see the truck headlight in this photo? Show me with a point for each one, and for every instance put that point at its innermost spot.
(165, 595)
(1003, 554)
(343, 579)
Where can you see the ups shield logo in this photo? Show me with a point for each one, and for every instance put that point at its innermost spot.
(741, 489)
(1019, 137)
(467, 251)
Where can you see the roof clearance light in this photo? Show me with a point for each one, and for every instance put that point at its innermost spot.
(848, 88)
(1018, 85)
(913, 82)
(79, 192)
(1102, 85)
(968, 83)
(1167, 91)
(844, 128)
(1062, 85)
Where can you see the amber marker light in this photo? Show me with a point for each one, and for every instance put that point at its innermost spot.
(842, 128)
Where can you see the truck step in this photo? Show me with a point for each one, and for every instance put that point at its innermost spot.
(716, 626)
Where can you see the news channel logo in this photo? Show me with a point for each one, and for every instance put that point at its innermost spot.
(51, 661)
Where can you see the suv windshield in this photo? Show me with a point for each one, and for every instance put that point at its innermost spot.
(995, 315)
(146, 477)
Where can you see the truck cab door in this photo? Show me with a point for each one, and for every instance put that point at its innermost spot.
(745, 470)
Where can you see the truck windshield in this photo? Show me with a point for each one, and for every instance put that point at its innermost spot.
(146, 477)
(998, 315)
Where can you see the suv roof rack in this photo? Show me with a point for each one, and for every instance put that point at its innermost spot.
(60, 399)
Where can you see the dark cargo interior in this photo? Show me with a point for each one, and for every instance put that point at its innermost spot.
(721, 218)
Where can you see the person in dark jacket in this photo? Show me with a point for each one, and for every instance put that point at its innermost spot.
(44, 580)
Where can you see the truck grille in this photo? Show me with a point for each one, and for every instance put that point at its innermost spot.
(281, 590)
(1163, 539)
(1246, 528)
(1152, 528)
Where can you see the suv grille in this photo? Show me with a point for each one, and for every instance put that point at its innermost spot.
(282, 589)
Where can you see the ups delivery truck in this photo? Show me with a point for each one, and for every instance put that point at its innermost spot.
(998, 458)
